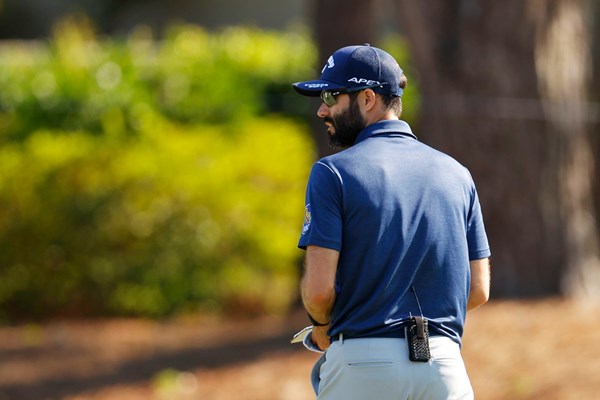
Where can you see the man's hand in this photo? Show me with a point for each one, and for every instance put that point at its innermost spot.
(319, 337)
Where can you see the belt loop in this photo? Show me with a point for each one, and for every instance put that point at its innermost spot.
(341, 339)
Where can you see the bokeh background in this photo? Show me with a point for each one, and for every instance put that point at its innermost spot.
(153, 160)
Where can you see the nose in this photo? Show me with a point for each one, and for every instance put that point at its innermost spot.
(323, 111)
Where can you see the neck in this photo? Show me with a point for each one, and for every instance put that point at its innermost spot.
(385, 116)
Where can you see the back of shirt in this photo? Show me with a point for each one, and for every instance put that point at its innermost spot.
(402, 215)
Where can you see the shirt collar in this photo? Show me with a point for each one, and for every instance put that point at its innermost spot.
(388, 126)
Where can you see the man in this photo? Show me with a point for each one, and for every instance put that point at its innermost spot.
(393, 232)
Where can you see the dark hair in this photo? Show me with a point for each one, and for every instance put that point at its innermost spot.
(394, 103)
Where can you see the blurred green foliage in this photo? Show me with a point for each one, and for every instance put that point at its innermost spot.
(76, 82)
(411, 100)
(153, 177)
(146, 177)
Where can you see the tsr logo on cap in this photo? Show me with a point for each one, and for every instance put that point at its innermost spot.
(330, 64)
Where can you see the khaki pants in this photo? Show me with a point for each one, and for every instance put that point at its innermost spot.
(379, 368)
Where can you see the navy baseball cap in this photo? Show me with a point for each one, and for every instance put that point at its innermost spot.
(356, 67)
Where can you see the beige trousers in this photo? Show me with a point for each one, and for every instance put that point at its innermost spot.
(379, 368)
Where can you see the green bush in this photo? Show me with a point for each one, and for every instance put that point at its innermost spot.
(192, 217)
(151, 178)
(76, 82)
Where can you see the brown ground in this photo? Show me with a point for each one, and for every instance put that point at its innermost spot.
(513, 350)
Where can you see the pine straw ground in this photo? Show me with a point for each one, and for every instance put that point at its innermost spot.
(544, 349)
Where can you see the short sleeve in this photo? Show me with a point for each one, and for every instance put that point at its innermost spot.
(323, 209)
(476, 237)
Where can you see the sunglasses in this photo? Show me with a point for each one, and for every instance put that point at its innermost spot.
(329, 96)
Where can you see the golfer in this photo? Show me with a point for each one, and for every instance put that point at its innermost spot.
(396, 250)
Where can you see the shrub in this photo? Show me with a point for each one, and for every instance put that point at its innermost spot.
(202, 217)
(150, 178)
(76, 82)
(147, 177)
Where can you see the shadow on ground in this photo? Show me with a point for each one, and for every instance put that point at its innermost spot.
(73, 358)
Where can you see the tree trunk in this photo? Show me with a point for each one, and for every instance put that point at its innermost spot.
(563, 62)
(340, 23)
(487, 102)
(594, 15)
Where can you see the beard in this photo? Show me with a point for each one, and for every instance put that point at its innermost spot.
(347, 126)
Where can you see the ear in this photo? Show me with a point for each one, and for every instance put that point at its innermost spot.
(369, 99)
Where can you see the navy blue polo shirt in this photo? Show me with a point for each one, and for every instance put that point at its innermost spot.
(401, 214)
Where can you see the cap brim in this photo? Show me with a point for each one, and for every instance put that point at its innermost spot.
(314, 88)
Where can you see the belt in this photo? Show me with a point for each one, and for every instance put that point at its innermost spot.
(390, 335)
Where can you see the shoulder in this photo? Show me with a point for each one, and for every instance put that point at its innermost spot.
(325, 172)
(335, 163)
(445, 160)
